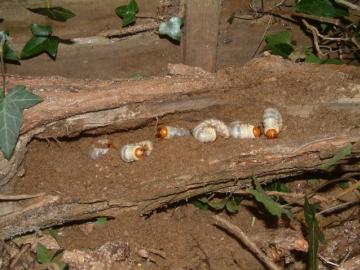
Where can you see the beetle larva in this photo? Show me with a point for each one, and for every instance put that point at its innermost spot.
(272, 122)
(244, 131)
(136, 151)
(168, 132)
(207, 130)
(100, 148)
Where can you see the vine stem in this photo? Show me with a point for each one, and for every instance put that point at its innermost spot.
(3, 92)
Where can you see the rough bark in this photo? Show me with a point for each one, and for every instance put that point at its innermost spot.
(75, 107)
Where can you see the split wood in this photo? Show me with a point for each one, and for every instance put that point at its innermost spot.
(98, 107)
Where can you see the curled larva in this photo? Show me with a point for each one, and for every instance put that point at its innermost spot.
(244, 131)
(136, 151)
(208, 130)
(100, 148)
(168, 132)
(272, 122)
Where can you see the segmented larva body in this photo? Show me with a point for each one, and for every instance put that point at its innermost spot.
(272, 122)
(136, 151)
(168, 132)
(244, 131)
(208, 130)
(100, 148)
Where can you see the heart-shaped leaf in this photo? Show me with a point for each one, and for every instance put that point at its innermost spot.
(127, 12)
(42, 41)
(10, 54)
(322, 8)
(172, 28)
(279, 44)
(55, 13)
(43, 254)
(11, 116)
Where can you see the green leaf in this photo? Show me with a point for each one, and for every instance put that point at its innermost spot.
(10, 54)
(43, 254)
(11, 116)
(272, 206)
(127, 12)
(37, 45)
(278, 186)
(232, 205)
(201, 204)
(54, 234)
(335, 159)
(218, 204)
(313, 182)
(172, 28)
(322, 8)
(279, 44)
(55, 13)
(57, 259)
(314, 234)
(344, 184)
(51, 46)
(100, 221)
(278, 38)
(312, 58)
(41, 30)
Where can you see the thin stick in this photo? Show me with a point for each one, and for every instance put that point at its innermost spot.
(238, 233)
(263, 36)
(2, 68)
(23, 249)
(129, 30)
(338, 207)
(20, 197)
(346, 191)
(348, 4)
(315, 36)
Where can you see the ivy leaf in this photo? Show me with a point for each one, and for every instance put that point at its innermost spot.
(279, 44)
(10, 54)
(218, 204)
(232, 205)
(55, 234)
(314, 235)
(11, 116)
(42, 41)
(55, 13)
(43, 254)
(272, 206)
(335, 159)
(321, 8)
(172, 28)
(201, 203)
(127, 12)
(312, 58)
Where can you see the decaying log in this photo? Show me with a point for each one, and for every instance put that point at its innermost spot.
(75, 107)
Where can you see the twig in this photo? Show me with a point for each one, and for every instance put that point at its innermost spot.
(129, 30)
(338, 207)
(238, 233)
(23, 249)
(348, 4)
(19, 197)
(263, 36)
(346, 191)
(314, 31)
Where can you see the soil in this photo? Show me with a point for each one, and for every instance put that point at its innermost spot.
(185, 233)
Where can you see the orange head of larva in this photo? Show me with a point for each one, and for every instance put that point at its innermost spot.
(271, 133)
(257, 132)
(162, 132)
(139, 152)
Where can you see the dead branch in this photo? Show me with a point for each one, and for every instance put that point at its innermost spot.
(239, 234)
(19, 197)
(131, 30)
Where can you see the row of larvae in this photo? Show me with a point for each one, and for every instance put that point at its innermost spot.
(205, 131)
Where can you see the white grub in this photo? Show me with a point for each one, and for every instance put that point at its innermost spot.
(239, 130)
(136, 151)
(168, 132)
(272, 122)
(207, 130)
(100, 148)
